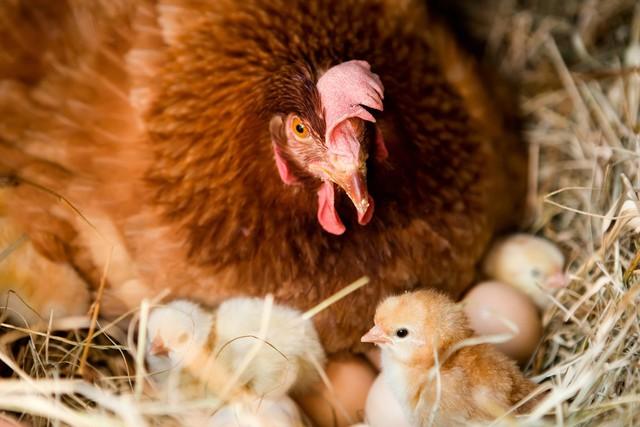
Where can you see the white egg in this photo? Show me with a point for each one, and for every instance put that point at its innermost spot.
(281, 412)
(383, 408)
(531, 264)
(490, 305)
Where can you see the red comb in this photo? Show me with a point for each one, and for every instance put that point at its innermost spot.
(345, 90)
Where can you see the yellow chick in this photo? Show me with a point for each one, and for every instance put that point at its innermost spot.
(32, 287)
(183, 334)
(437, 380)
(531, 264)
(285, 362)
(180, 344)
(177, 333)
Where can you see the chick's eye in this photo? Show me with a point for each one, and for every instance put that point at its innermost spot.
(402, 332)
(536, 273)
(299, 128)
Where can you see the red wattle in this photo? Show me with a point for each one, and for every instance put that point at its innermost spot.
(327, 215)
(286, 175)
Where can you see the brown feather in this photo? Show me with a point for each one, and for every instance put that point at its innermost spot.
(186, 176)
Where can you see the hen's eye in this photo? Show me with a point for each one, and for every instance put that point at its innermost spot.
(402, 332)
(299, 128)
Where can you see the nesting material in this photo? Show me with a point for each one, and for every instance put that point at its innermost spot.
(582, 83)
(578, 61)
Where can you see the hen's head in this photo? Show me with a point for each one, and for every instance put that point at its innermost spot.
(322, 130)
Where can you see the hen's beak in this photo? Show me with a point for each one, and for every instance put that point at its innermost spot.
(355, 185)
(158, 348)
(376, 336)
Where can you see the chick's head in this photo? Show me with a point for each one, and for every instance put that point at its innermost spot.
(414, 325)
(529, 263)
(177, 330)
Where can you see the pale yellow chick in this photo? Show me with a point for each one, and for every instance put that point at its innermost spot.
(32, 287)
(421, 330)
(181, 358)
(531, 264)
(186, 338)
(178, 334)
(285, 362)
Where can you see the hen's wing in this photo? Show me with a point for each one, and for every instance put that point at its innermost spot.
(75, 80)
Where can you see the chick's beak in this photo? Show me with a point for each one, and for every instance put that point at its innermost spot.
(376, 336)
(158, 348)
(557, 280)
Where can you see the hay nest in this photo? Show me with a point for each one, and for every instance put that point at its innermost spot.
(580, 68)
(579, 65)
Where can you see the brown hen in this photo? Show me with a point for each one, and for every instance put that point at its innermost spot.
(229, 148)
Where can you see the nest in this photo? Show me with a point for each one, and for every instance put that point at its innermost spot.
(580, 72)
(578, 63)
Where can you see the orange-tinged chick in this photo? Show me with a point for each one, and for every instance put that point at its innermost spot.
(423, 330)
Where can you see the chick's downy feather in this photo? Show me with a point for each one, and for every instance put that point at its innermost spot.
(291, 353)
(436, 376)
(176, 333)
(189, 344)
(202, 142)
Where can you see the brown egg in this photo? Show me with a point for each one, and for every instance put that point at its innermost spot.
(351, 379)
(488, 303)
(383, 409)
